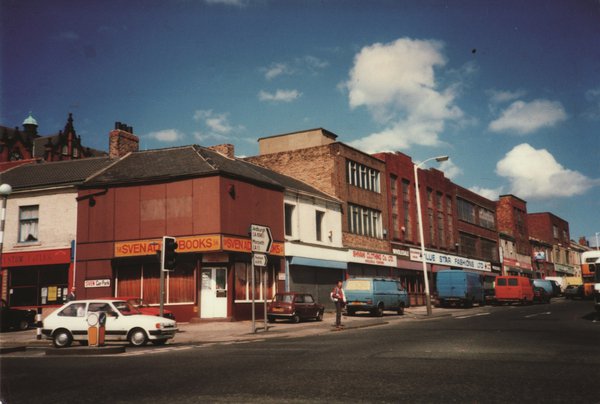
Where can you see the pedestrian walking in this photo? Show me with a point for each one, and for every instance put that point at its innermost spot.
(71, 295)
(339, 297)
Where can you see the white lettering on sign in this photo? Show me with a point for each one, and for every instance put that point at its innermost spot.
(97, 283)
(372, 258)
(401, 253)
(261, 239)
(450, 260)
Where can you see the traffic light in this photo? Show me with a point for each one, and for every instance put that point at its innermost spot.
(169, 255)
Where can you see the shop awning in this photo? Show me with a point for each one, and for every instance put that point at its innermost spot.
(313, 262)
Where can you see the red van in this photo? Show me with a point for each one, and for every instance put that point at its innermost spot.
(514, 289)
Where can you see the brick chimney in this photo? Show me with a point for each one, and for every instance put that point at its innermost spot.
(583, 242)
(121, 141)
(226, 150)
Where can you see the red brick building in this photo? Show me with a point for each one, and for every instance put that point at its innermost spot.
(315, 157)
(21, 145)
(550, 242)
(515, 248)
(208, 202)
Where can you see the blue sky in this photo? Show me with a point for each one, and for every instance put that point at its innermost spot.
(509, 89)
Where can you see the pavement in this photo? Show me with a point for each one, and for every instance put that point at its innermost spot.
(234, 331)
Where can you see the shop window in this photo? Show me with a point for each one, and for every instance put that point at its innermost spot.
(182, 284)
(289, 215)
(28, 223)
(243, 282)
(38, 286)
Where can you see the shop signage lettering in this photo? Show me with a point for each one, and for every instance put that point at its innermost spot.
(184, 244)
(49, 257)
(245, 245)
(401, 253)
(450, 260)
(96, 283)
(372, 258)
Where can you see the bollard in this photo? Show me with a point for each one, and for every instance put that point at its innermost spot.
(38, 323)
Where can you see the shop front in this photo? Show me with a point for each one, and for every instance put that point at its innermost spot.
(517, 268)
(36, 278)
(212, 278)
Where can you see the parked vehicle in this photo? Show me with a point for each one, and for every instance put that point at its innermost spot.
(15, 318)
(540, 295)
(556, 289)
(460, 287)
(546, 284)
(144, 307)
(514, 289)
(574, 292)
(295, 307)
(561, 281)
(375, 295)
(123, 323)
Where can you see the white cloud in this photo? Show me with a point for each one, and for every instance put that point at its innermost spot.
(396, 82)
(593, 97)
(277, 69)
(166, 135)
(279, 95)
(527, 117)
(450, 169)
(492, 194)
(535, 174)
(499, 96)
(299, 65)
(214, 125)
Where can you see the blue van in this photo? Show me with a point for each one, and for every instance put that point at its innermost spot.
(375, 295)
(460, 287)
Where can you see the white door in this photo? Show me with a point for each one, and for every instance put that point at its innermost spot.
(213, 294)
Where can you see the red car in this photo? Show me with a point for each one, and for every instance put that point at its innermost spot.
(143, 307)
(295, 307)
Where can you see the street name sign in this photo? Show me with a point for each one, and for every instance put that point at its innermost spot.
(261, 239)
(260, 260)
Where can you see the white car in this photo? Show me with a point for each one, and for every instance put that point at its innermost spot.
(123, 323)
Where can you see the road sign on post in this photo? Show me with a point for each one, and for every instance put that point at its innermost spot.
(262, 240)
(260, 260)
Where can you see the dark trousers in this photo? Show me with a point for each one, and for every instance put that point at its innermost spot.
(338, 312)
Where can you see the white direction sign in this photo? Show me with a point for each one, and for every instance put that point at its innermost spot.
(261, 239)
(260, 260)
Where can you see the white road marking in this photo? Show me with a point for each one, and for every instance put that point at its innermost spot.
(473, 315)
(538, 314)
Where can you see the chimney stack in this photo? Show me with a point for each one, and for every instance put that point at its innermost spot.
(121, 141)
(226, 150)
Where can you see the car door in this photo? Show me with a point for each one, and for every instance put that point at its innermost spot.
(73, 318)
(300, 306)
(311, 306)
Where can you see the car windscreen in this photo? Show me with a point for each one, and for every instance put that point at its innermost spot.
(284, 298)
(358, 284)
(125, 308)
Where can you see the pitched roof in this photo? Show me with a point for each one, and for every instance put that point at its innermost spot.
(176, 163)
(39, 174)
(189, 162)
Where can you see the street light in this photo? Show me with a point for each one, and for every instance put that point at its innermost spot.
(597, 248)
(420, 217)
(5, 190)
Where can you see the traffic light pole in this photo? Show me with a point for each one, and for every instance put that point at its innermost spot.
(162, 291)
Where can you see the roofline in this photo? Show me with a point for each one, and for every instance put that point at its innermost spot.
(325, 131)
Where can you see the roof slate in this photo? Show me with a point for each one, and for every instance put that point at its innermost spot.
(38, 175)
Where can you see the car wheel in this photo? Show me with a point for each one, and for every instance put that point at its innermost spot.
(295, 318)
(319, 316)
(137, 337)
(62, 338)
(379, 311)
(23, 325)
(401, 310)
(158, 342)
(270, 319)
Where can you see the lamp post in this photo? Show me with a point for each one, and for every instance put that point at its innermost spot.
(420, 217)
(597, 247)
(5, 191)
